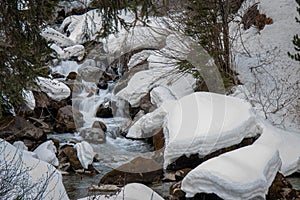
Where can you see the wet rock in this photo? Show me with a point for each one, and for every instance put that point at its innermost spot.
(180, 174)
(103, 80)
(146, 105)
(99, 124)
(68, 160)
(139, 170)
(93, 135)
(194, 160)
(158, 139)
(19, 129)
(169, 177)
(65, 121)
(176, 192)
(57, 75)
(72, 76)
(104, 111)
(281, 189)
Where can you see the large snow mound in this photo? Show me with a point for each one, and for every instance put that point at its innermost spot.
(132, 191)
(29, 178)
(245, 173)
(203, 122)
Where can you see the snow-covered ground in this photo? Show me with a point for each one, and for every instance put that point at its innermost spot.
(270, 77)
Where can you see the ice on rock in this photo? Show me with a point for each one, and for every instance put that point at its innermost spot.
(203, 122)
(37, 177)
(56, 90)
(47, 152)
(245, 173)
(85, 153)
(132, 191)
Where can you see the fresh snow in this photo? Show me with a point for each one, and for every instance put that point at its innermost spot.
(30, 174)
(56, 90)
(47, 152)
(85, 153)
(132, 191)
(203, 122)
(245, 173)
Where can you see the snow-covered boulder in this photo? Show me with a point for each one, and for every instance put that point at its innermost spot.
(132, 191)
(82, 28)
(47, 152)
(138, 58)
(85, 153)
(20, 146)
(140, 37)
(56, 90)
(160, 95)
(76, 51)
(245, 173)
(53, 36)
(28, 176)
(204, 122)
(142, 82)
(286, 142)
(149, 123)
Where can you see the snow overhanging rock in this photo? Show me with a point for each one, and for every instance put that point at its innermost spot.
(203, 122)
(245, 173)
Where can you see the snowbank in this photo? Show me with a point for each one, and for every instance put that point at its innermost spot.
(37, 178)
(85, 153)
(203, 122)
(245, 173)
(56, 90)
(47, 152)
(132, 191)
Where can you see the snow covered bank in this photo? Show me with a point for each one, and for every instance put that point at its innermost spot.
(28, 177)
(245, 173)
(203, 122)
(132, 191)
